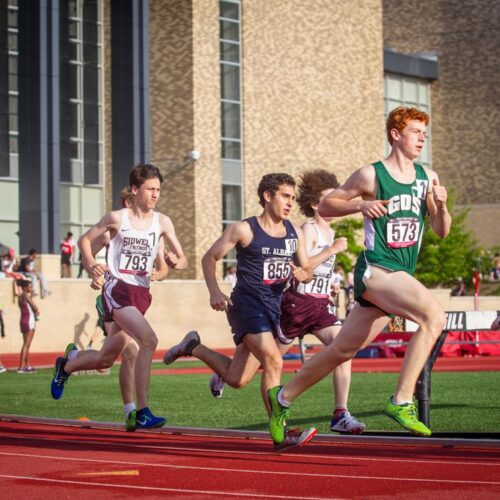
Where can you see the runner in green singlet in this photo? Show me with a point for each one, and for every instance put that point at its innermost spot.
(394, 196)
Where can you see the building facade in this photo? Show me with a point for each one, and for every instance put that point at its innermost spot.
(218, 93)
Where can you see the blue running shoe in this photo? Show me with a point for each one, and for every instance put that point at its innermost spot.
(146, 420)
(60, 378)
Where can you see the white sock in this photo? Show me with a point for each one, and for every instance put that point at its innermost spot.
(281, 400)
(127, 408)
(73, 354)
(402, 403)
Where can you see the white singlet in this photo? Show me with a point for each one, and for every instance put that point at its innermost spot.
(131, 253)
(320, 285)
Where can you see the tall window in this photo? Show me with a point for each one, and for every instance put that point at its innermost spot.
(400, 90)
(81, 92)
(12, 45)
(231, 116)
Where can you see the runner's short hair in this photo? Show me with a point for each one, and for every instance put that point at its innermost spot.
(141, 173)
(399, 117)
(311, 184)
(271, 182)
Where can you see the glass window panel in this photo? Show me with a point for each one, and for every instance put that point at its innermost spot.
(423, 93)
(230, 120)
(231, 150)
(12, 40)
(73, 51)
(13, 122)
(231, 172)
(12, 64)
(230, 82)
(12, 104)
(231, 202)
(229, 30)
(410, 91)
(72, 8)
(229, 10)
(392, 104)
(230, 52)
(14, 165)
(73, 81)
(75, 150)
(12, 2)
(74, 130)
(73, 29)
(393, 87)
(12, 18)
(13, 144)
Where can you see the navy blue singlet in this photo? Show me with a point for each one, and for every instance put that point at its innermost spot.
(263, 267)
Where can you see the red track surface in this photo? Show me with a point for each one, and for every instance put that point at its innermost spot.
(45, 461)
(476, 364)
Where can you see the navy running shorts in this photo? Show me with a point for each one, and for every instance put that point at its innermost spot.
(248, 315)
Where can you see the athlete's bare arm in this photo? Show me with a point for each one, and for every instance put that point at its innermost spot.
(160, 271)
(357, 194)
(174, 256)
(440, 218)
(310, 239)
(301, 269)
(237, 233)
(110, 222)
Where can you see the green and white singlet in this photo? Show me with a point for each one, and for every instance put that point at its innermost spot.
(393, 241)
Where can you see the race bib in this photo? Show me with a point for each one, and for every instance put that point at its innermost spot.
(402, 232)
(319, 286)
(276, 271)
(136, 255)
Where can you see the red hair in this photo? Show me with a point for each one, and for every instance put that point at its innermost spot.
(399, 117)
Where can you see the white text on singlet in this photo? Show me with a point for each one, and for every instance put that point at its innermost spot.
(132, 252)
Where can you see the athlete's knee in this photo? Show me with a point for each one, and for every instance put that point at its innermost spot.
(434, 321)
(238, 383)
(149, 342)
(272, 363)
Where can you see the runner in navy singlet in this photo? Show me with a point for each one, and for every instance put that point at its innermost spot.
(269, 251)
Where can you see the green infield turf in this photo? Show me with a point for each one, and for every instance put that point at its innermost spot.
(460, 402)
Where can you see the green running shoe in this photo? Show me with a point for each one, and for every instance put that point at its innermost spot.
(130, 422)
(100, 312)
(406, 415)
(279, 415)
(70, 347)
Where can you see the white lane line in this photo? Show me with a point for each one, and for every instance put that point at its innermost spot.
(251, 471)
(158, 488)
(270, 454)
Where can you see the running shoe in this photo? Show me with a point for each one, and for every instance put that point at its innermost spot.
(21, 370)
(100, 311)
(183, 348)
(345, 423)
(70, 347)
(216, 385)
(29, 369)
(406, 415)
(131, 421)
(279, 415)
(2, 369)
(146, 420)
(60, 378)
(295, 438)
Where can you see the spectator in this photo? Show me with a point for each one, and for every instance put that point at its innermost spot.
(459, 289)
(29, 314)
(496, 323)
(231, 275)
(350, 280)
(495, 269)
(27, 268)
(2, 332)
(67, 255)
(350, 302)
(9, 268)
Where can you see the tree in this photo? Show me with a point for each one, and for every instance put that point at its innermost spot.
(350, 228)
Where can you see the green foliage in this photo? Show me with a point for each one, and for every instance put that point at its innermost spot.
(349, 228)
(442, 261)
